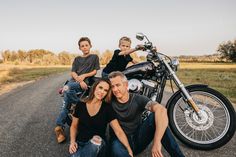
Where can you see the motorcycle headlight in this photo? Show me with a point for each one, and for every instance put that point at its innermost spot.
(174, 64)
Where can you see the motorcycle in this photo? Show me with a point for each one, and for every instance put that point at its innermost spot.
(199, 116)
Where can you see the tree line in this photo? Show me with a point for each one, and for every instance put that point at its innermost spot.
(36, 57)
(45, 57)
(226, 52)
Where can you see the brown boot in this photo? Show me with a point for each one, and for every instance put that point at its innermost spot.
(60, 134)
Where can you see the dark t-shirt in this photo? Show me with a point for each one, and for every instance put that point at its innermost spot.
(129, 113)
(117, 63)
(82, 65)
(95, 125)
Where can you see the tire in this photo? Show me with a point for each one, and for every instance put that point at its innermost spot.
(216, 127)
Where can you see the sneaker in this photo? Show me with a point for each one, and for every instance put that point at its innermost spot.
(60, 134)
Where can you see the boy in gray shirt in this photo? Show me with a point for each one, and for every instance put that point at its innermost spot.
(83, 69)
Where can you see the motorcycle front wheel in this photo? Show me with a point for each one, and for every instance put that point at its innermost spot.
(213, 130)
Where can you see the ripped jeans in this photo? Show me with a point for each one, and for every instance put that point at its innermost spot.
(90, 149)
(70, 96)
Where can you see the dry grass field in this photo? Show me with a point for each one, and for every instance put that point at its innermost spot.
(221, 77)
(185, 65)
(12, 76)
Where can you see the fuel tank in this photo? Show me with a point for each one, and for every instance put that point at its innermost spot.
(140, 70)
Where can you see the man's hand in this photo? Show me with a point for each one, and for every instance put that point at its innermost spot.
(73, 147)
(131, 154)
(156, 150)
(83, 85)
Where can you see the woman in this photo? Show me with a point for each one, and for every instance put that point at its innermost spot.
(90, 121)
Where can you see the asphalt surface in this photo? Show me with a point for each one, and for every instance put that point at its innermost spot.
(27, 121)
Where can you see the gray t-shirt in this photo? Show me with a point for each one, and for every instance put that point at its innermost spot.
(82, 65)
(129, 113)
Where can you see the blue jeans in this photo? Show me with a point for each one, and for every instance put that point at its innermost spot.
(143, 137)
(88, 149)
(70, 96)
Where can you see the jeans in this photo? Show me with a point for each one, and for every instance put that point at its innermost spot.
(88, 149)
(143, 137)
(70, 97)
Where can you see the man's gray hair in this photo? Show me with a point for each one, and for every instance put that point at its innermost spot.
(118, 73)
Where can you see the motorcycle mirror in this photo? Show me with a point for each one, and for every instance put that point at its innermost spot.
(140, 36)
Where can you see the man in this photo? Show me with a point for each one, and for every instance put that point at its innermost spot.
(129, 108)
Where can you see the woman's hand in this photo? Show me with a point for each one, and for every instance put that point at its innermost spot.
(73, 147)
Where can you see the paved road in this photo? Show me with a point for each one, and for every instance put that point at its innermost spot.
(27, 121)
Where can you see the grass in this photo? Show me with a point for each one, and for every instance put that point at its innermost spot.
(14, 74)
(19, 75)
(221, 77)
(186, 65)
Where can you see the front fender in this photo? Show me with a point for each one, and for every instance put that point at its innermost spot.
(187, 88)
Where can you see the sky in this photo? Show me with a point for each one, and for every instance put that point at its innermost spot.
(175, 27)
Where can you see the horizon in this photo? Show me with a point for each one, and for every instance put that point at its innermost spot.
(175, 27)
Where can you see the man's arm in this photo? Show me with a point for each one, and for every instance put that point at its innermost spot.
(121, 135)
(161, 123)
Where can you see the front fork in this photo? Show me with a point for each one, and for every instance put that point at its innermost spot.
(186, 94)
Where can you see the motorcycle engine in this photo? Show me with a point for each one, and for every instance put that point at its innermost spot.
(143, 87)
(135, 85)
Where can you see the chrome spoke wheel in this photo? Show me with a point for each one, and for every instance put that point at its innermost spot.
(211, 127)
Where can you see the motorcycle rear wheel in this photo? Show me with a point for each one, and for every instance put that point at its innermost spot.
(216, 127)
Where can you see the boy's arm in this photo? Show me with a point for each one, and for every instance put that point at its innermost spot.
(127, 52)
(138, 47)
(80, 78)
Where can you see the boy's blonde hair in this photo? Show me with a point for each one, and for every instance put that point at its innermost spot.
(124, 39)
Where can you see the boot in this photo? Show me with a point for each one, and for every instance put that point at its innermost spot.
(60, 134)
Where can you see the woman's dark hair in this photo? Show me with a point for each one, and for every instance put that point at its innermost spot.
(107, 98)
